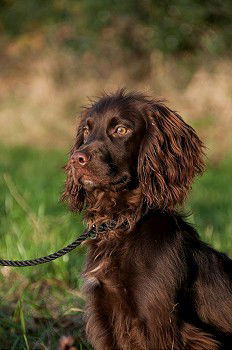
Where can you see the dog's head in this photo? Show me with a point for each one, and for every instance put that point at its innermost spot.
(126, 140)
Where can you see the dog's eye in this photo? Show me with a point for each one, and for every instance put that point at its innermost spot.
(121, 130)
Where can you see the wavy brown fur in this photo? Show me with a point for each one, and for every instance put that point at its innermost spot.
(155, 285)
(170, 157)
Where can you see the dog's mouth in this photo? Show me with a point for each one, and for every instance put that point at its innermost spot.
(90, 180)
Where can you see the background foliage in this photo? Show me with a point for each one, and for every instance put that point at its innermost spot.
(172, 27)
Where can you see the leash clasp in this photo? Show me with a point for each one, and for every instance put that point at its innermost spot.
(93, 232)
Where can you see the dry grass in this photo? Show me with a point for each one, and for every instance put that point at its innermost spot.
(41, 95)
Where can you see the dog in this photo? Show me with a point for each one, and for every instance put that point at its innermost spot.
(150, 282)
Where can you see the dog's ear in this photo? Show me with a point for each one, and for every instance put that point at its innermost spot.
(171, 154)
(74, 193)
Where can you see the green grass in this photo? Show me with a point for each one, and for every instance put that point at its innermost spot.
(33, 223)
(211, 203)
(40, 304)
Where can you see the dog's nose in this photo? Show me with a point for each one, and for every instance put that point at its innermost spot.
(82, 158)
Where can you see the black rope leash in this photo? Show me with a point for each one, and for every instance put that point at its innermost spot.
(92, 233)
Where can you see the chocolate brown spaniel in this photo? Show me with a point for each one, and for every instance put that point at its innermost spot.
(150, 283)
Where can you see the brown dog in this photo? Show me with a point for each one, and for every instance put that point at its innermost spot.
(151, 284)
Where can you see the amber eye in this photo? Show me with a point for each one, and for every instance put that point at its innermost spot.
(121, 130)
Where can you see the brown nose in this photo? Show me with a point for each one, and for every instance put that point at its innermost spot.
(82, 158)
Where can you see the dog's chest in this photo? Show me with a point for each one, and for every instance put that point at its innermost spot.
(109, 297)
(103, 274)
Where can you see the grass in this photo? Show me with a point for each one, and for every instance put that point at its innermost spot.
(40, 304)
(33, 222)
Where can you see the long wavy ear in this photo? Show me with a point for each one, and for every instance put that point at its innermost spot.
(74, 193)
(171, 154)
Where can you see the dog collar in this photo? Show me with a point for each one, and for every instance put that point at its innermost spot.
(106, 227)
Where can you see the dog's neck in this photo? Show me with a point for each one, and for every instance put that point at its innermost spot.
(103, 206)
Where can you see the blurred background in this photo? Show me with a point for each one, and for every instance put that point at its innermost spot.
(54, 56)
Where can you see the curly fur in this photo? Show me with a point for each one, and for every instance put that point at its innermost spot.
(155, 285)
